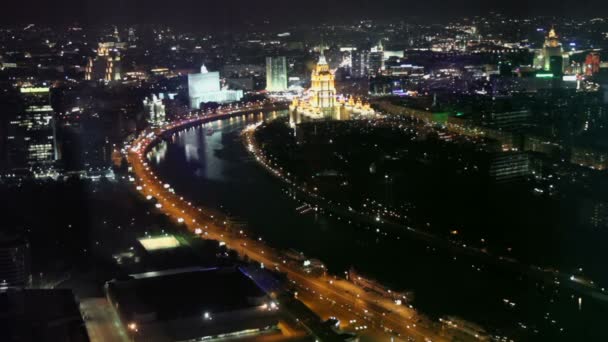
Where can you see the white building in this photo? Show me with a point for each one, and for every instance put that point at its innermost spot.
(205, 87)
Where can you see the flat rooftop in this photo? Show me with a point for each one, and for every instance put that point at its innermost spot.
(185, 292)
(40, 315)
(159, 242)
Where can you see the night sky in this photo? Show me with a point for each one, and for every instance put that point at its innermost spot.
(229, 13)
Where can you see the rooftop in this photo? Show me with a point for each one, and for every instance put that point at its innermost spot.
(186, 292)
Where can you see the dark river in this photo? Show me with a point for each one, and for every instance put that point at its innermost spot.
(210, 166)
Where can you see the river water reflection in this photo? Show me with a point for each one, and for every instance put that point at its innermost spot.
(209, 165)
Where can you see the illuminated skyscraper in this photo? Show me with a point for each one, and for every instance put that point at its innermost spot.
(321, 101)
(106, 65)
(376, 59)
(205, 87)
(359, 63)
(31, 134)
(322, 85)
(276, 74)
(592, 63)
(155, 110)
(552, 57)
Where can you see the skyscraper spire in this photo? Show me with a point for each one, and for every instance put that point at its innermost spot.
(322, 60)
(552, 33)
(116, 34)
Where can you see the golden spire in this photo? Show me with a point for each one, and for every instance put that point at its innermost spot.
(552, 33)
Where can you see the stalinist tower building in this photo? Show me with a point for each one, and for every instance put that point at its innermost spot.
(320, 101)
(322, 87)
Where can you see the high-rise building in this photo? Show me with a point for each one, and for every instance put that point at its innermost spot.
(508, 120)
(14, 262)
(31, 138)
(592, 63)
(359, 64)
(155, 110)
(509, 166)
(205, 87)
(321, 100)
(132, 37)
(106, 65)
(322, 85)
(276, 74)
(551, 57)
(376, 59)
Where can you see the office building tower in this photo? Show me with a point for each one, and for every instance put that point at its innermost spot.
(509, 166)
(359, 64)
(509, 120)
(276, 74)
(376, 59)
(205, 87)
(14, 262)
(592, 63)
(31, 138)
(155, 110)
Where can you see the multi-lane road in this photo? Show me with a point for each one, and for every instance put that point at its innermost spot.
(329, 296)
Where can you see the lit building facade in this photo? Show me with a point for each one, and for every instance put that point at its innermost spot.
(322, 86)
(359, 64)
(551, 57)
(155, 110)
(592, 63)
(106, 65)
(31, 142)
(509, 166)
(276, 74)
(376, 59)
(320, 101)
(205, 87)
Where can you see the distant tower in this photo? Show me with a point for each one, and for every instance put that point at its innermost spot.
(31, 134)
(132, 37)
(106, 65)
(155, 109)
(376, 59)
(553, 57)
(322, 88)
(276, 74)
(592, 63)
(359, 63)
(116, 35)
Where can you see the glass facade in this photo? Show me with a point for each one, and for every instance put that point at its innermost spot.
(276, 74)
(31, 133)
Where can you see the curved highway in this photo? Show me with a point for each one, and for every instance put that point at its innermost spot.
(326, 295)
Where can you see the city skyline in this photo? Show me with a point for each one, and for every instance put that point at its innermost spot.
(301, 172)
